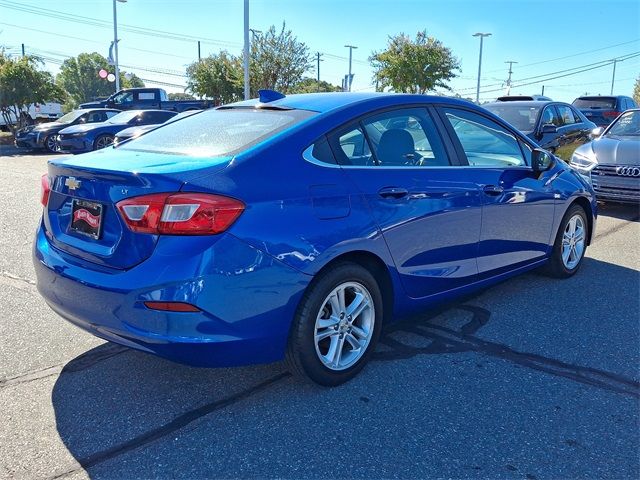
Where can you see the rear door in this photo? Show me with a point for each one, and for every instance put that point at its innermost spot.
(428, 213)
(145, 99)
(570, 132)
(518, 207)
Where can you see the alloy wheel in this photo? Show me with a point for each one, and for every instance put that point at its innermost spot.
(573, 242)
(344, 326)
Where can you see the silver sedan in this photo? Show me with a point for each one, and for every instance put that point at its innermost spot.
(612, 161)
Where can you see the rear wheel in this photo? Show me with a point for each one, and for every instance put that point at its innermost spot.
(337, 326)
(570, 245)
(103, 141)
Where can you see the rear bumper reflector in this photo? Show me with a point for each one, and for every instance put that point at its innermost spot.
(172, 306)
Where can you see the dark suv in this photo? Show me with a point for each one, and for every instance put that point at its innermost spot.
(603, 110)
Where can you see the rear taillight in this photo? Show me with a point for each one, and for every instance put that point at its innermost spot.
(180, 213)
(610, 114)
(45, 189)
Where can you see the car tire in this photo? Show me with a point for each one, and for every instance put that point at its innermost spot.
(103, 141)
(324, 339)
(570, 245)
(50, 144)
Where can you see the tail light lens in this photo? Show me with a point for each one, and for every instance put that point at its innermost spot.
(180, 213)
(610, 114)
(45, 189)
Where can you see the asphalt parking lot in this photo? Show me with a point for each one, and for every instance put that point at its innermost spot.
(534, 378)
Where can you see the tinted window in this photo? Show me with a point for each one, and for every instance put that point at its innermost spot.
(218, 132)
(405, 137)
(112, 114)
(566, 114)
(124, 97)
(595, 102)
(484, 142)
(146, 96)
(523, 117)
(95, 117)
(321, 152)
(351, 147)
(152, 118)
(550, 117)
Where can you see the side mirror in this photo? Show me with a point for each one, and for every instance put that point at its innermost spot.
(541, 160)
(548, 128)
(596, 132)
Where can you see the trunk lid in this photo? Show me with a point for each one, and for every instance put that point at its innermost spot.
(104, 178)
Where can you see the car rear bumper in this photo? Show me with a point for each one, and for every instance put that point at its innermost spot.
(247, 300)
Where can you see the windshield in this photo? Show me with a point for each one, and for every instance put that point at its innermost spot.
(217, 132)
(597, 102)
(627, 124)
(71, 116)
(523, 117)
(124, 117)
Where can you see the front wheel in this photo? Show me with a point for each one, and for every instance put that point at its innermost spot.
(51, 144)
(570, 245)
(337, 326)
(103, 141)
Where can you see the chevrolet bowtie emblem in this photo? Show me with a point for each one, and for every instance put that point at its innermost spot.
(72, 183)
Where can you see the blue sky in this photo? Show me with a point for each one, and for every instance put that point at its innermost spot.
(545, 37)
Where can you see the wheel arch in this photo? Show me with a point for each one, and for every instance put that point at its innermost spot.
(588, 209)
(377, 267)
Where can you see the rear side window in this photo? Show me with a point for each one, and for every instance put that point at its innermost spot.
(146, 96)
(595, 102)
(550, 116)
(485, 142)
(217, 132)
(567, 115)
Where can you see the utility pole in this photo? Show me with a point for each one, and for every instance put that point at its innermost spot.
(510, 62)
(318, 55)
(115, 42)
(613, 79)
(349, 78)
(23, 50)
(199, 57)
(246, 50)
(542, 90)
(481, 35)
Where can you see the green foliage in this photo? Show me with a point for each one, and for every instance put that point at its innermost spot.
(278, 61)
(79, 77)
(414, 66)
(636, 90)
(310, 85)
(22, 83)
(217, 76)
(180, 96)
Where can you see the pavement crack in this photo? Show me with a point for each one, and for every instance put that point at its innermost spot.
(31, 376)
(174, 425)
(10, 276)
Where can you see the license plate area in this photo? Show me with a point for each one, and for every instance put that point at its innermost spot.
(86, 218)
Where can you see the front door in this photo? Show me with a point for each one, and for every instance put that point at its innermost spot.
(518, 206)
(428, 214)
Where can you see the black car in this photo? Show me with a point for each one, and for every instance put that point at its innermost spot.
(603, 110)
(555, 126)
(44, 136)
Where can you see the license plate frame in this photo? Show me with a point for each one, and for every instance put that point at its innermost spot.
(86, 218)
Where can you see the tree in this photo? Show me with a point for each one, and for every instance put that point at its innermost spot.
(181, 96)
(636, 90)
(217, 76)
(413, 66)
(79, 77)
(310, 85)
(278, 61)
(22, 83)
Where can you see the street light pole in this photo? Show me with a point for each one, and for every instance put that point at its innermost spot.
(481, 35)
(613, 79)
(350, 47)
(247, 93)
(115, 41)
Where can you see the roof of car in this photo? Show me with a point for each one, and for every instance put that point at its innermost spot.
(327, 101)
(521, 103)
(98, 109)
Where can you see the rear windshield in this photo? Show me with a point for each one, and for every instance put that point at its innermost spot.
(523, 117)
(597, 102)
(215, 133)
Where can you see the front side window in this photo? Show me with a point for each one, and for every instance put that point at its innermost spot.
(123, 98)
(550, 116)
(485, 142)
(566, 114)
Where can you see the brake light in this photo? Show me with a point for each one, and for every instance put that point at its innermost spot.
(45, 189)
(180, 213)
(610, 114)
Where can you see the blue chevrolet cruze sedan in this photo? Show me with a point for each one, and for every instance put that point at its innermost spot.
(298, 226)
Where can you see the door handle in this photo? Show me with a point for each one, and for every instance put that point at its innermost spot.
(492, 190)
(393, 192)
